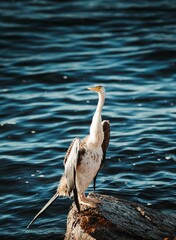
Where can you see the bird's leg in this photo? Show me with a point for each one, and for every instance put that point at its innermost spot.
(88, 201)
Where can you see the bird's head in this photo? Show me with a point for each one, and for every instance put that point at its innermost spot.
(98, 89)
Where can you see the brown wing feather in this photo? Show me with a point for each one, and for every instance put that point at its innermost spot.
(106, 130)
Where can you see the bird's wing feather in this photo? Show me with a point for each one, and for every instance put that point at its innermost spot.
(69, 150)
(106, 129)
(70, 168)
(71, 164)
(105, 144)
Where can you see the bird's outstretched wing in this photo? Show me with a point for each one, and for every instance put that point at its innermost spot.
(105, 144)
(71, 161)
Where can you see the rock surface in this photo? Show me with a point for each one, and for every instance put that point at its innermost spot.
(119, 220)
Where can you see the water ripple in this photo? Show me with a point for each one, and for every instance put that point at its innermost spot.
(50, 54)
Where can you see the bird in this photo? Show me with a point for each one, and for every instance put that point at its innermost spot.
(83, 160)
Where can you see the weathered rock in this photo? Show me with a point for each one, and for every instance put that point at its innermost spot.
(119, 220)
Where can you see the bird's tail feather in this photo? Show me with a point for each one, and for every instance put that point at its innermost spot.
(61, 191)
(56, 195)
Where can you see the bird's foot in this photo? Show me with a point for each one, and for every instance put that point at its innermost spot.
(89, 201)
(94, 200)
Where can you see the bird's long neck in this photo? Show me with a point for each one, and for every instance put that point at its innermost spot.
(96, 132)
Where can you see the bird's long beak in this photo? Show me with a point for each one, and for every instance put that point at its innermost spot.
(95, 89)
(44, 208)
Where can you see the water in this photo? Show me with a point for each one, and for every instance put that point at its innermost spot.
(50, 53)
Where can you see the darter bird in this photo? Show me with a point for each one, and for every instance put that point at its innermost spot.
(83, 160)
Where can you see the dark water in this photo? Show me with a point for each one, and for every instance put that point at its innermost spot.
(50, 52)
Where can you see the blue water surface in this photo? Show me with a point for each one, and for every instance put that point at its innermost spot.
(51, 51)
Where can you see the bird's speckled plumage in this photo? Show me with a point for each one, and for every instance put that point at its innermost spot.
(83, 159)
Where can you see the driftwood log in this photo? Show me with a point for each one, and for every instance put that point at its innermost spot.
(116, 219)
